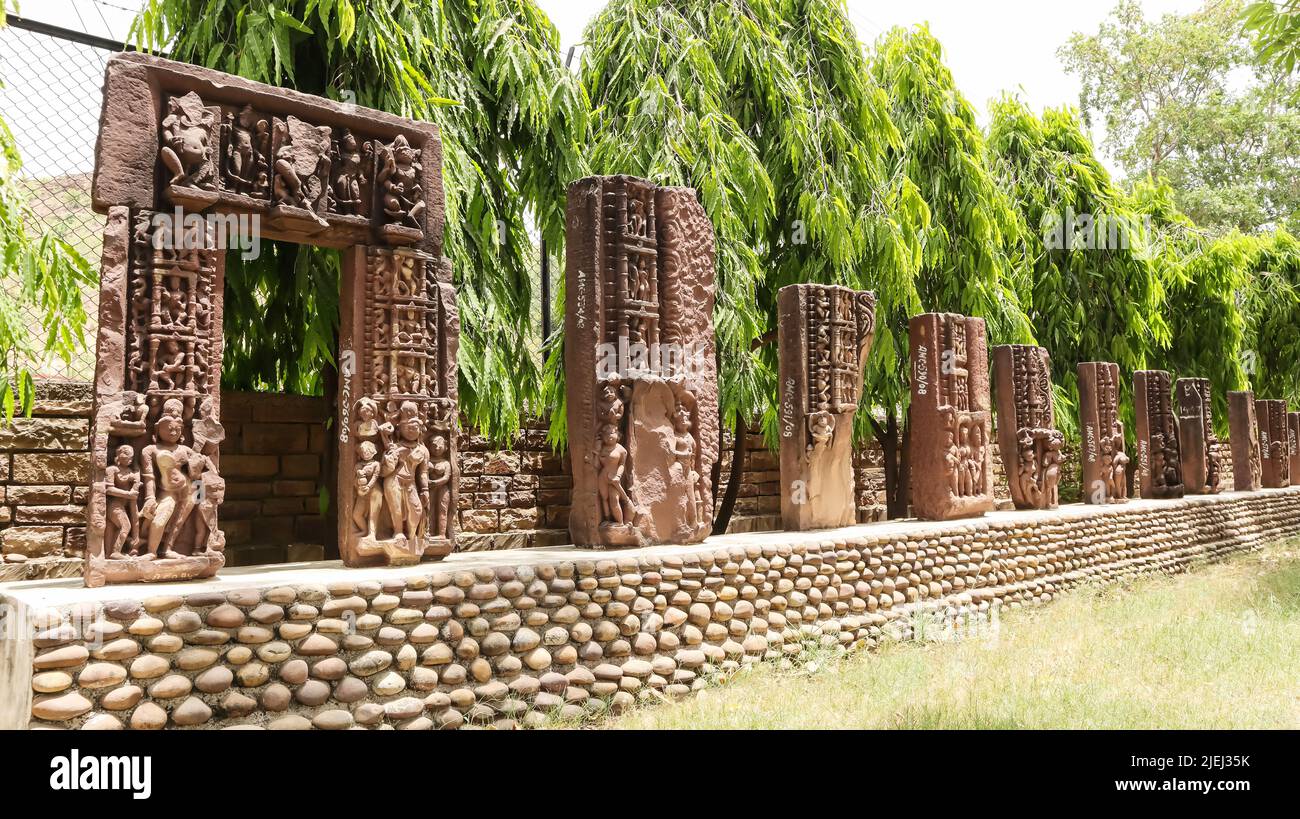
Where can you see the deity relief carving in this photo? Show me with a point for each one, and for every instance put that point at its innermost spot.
(950, 417)
(824, 335)
(403, 425)
(353, 163)
(642, 389)
(153, 508)
(399, 173)
(1243, 430)
(1105, 463)
(1275, 462)
(1201, 468)
(246, 135)
(188, 139)
(1160, 470)
(1027, 434)
(300, 181)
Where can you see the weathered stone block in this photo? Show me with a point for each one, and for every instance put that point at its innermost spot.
(46, 469)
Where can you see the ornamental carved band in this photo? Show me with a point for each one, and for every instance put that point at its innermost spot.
(186, 157)
(1275, 463)
(824, 335)
(642, 400)
(1201, 469)
(1027, 425)
(1160, 469)
(1105, 463)
(950, 417)
(1244, 436)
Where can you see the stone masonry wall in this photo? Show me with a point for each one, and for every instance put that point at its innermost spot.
(44, 469)
(514, 638)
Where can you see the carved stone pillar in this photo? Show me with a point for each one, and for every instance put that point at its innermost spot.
(950, 418)
(1275, 463)
(398, 335)
(1202, 472)
(1244, 434)
(1027, 434)
(1160, 472)
(1293, 444)
(1105, 463)
(824, 334)
(642, 406)
(155, 485)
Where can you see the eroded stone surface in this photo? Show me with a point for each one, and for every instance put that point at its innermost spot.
(1244, 432)
(1201, 469)
(640, 363)
(1027, 435)
(824, 336)
(1275, 461)
(950, 416)
(1159, 462)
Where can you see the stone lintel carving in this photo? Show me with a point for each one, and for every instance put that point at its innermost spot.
(1243, 434)
(1202, 472)
(950, 418)
(1105, 463)
(1293, 444)
(1159, 460)
(397, 408)
(314, 170)
(642, 405)
(824, 335)
(1275, 462)
(155, 484)
(1027, 434)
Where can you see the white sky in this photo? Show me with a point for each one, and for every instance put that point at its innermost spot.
(991, 46)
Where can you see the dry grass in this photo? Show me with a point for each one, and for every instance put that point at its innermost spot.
(1216, 648)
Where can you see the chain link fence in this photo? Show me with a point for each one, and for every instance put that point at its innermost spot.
(51, 96)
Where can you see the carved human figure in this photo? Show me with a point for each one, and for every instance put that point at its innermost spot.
(209, 538)
(297, 165)
(615, 504)
(952, 461)
(822, 429)
(1117, 472)
(122, 490)
(1052, 466)
(439, 488)
(684, 454)
(351, 184)
(370, 497)
(250, 141)
(169, 497)
(1027, 472)
(186, 135)
(399, 179)
(172, 365)
(406, 475)
(367, 423)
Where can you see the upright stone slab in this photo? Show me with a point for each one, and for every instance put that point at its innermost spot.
(1105, 463)
(1201, 470)
(824, 334)
(1159, 461)
(1027, 434)
(188, 161)
(1275, 462)
(950, 419)
(1244, 436)
(1293, 444)
(642, 400)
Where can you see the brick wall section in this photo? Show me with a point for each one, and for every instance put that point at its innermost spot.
(514, 638)
(45, 469)
(513, 498)
(273, 459)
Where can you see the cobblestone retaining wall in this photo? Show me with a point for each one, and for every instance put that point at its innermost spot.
(512, 638)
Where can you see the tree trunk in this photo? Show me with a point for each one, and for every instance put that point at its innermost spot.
(723, 517)
(898, 472)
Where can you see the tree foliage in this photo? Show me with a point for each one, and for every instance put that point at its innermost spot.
(1276, 30)
(1270, 306)
(767, 108)
(42, 275)
(513, 122)
(1183, 98)
(1095, 291)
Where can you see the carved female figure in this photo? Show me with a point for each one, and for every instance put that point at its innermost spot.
(122, 488)
(615, 505)
(684, 455)
(350, 183)
(439, 489)
(186, 131)
(370, 499)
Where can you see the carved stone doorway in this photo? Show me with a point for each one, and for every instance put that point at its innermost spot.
(183, 153)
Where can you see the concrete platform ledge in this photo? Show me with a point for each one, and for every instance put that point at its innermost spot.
(513, 638)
